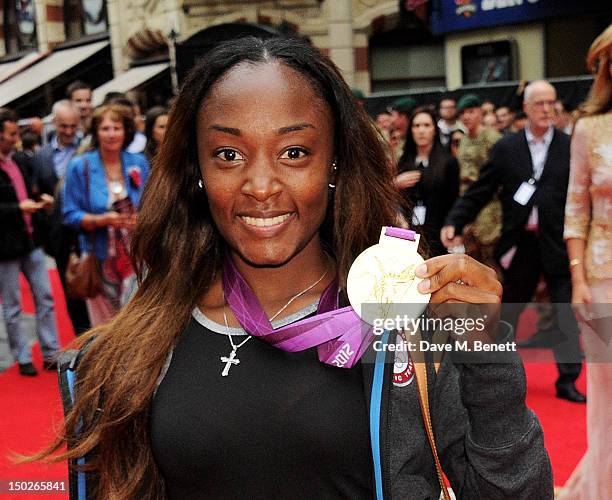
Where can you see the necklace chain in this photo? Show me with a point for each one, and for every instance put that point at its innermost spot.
(234, 346)
(232, 359)
(310, 287)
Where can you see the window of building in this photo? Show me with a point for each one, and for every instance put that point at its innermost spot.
(402, 59)
(402, 68)
(403, 52)
(84, 17)
(19, 26)
(488, 62)
(583, 29)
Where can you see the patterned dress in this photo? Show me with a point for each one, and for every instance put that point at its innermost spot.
(588, 216)
(588, 212)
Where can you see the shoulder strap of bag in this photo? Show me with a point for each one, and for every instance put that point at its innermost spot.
(67, 364)
(81, 484)
(420, 372)
(86, 175)
(90, 234)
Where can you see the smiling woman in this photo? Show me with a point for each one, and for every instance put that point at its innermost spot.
(100, 200)
(265, 152)
(271, 180)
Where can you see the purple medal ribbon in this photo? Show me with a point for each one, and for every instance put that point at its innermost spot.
(341, 337)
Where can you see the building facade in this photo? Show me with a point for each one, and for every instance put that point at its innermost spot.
(380, 45)
(27, 25)
(499, 40)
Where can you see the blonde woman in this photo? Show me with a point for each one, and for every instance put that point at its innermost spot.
(587, 232)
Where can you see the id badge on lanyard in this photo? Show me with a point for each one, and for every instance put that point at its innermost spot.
(418, 214)
(525, 192)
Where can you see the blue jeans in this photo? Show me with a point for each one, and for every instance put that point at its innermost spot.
(33, 267)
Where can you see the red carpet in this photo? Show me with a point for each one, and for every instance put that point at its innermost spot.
(564, 423)
(30, 408)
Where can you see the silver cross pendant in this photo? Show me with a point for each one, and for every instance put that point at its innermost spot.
(229, 361)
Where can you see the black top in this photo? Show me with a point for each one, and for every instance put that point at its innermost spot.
(15, 241)
(437, 191)
(280, 425)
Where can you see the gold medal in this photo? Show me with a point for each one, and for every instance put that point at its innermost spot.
(382, 283)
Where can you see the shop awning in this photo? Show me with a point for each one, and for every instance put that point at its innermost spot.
(46, 70)
(12, 68)
(129, 80)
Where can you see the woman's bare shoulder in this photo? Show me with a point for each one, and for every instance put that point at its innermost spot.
(594, 122)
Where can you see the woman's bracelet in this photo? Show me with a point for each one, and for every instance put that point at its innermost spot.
(575, 262)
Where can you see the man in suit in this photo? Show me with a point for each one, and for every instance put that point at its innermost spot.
(530, 170)
(447, 111)
(81, 96)
(49, 166)
(400, 115)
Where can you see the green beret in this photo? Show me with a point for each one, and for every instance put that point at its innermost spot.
(358, 94)
(468, 101)
(404, 104)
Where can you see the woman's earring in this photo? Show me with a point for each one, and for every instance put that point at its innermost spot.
(200, 184)
(334, 168)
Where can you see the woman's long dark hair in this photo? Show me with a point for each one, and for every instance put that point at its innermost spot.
(410, 147)
(177, 253)
(151, 117)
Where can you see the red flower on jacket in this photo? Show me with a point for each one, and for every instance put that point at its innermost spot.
(134, 175)
(414, 4)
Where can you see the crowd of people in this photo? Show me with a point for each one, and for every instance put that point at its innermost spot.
(527, 192)
(271, 180)
(460, 166)
(69, 190)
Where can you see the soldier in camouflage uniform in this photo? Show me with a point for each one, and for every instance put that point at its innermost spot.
(400, 110)
(481, 236)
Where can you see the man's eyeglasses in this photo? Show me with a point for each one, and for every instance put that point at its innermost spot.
(541, 104)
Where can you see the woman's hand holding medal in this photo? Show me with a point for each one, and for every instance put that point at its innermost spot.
(459, 278)
(455, 279)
